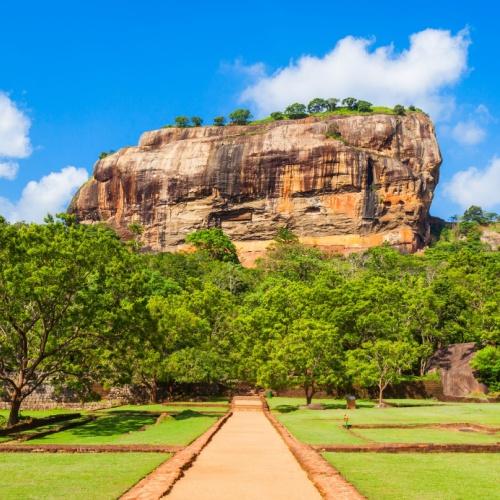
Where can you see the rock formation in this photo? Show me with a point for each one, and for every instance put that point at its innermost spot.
(342, 183)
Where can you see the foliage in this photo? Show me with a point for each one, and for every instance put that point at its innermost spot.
(478, 215)
(350, 102)
(219, 121)
(181, 121)
(364, 106)
(240, 116)
(296, 111)
(197, 121)
(399, 109)
(215, 243)
(103, 154)
(332, 103)
(277, 115)
(317, 106)
(487, 363)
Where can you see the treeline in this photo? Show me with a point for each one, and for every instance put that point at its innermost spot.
(79, 306)
(297, 110)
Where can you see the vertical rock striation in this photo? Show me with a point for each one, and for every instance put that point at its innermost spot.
(342, 183)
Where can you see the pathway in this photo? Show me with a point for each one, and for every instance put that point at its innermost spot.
(246, 460)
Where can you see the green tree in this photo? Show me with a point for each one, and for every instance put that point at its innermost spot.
(364, 106)
(380, 363)
(103, 154)
(296, 111)
(240, 116)
(487, 363)
(219, 121)
(277, 115)
(308, 356)
(350, 103)
(215, 242)
(332, 103)
(61, 291)
(399, 109)
(197, 121)
(478, 215)
(181, 121)
(317, 105)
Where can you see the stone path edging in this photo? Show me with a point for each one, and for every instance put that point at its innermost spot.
(89, 448)
(328, 481)
(410, 448)
(159, 482)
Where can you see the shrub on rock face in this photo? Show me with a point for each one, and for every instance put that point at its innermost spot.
(399, 109)
(277, 115)
(296, 111)
(181, 121)
(240, 116)
(219, 121)
(103, 154)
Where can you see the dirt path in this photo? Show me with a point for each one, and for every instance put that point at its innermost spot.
(246, 460)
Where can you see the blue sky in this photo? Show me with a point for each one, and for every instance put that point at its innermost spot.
(77, 78)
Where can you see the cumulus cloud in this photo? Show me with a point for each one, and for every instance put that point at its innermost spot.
(50, 194)
(14, 130)
(435, 60)
(475, 186)
(468, 133)
(8, 170)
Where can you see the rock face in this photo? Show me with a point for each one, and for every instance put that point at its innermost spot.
(342, 183)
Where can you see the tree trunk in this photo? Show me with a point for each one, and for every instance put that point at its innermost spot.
(153, 395)
(309, 394)
(15, 406)
(380, 394)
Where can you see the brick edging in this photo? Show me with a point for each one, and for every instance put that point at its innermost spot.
(330, 484)
(411, 448)
(161, 481)
(88, 448)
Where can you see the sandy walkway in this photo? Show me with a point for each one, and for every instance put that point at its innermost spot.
(246, 460)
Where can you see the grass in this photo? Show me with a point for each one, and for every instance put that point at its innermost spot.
(160, 408)
(325, 426)
(76, 476)
(412, 476)
(122, 427)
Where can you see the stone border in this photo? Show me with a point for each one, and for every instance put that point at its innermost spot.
(410, 448)
(38, 422)
(90, 448)
(161, 481)
(328, 481)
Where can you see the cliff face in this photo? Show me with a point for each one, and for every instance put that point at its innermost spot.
(343, 183)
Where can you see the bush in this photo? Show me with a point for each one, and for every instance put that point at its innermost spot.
(364, 106)
(296, 111)
(350, 103)
(412, 108)
(277, 115)
(240, 116)
(331, 103)
(399, 110)
(487, 363)
(317, 106)
(181, 121)
(219, 121)
(196, 121)
(103, 154)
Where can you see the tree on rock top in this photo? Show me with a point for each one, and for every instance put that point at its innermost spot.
(296, 111)
(215, 242)
(240, 116)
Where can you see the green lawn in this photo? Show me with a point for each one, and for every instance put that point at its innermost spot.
(136, 427)
(421, 476)
(223, 407)
(75, 476)
(325, 426)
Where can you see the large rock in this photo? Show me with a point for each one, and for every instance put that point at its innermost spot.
(343, 183)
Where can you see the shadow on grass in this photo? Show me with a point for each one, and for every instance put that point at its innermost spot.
(286, 408)
(114, 425)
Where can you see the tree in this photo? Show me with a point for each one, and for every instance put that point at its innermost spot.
(240, 116)
(103, 154)
(331, 103)
(286, 236)
(61, 290)
(412, 107)
(219, 121)
(487, 363)
(196, 121)
(296, 111)
(380, 363)
(364, 106)
(317, 105)
(478, 215)
(308, 356)
(399, 110)
(215, 242)
(277, 115)
(181, 121)
(350, 103)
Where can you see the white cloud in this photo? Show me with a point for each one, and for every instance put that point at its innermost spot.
(468, 133)
(476, 187)
(435, 60)
(50, 194)
(14, 130)
(8, 170)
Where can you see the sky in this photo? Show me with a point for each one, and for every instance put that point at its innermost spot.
(78, 78)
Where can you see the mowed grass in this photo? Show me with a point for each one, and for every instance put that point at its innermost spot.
(73, 475)
(325, 426)
(421, 476)
(122, 427)
(160, 408)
